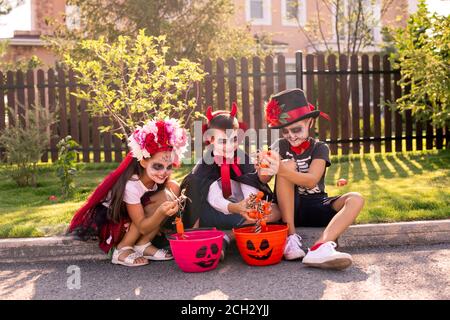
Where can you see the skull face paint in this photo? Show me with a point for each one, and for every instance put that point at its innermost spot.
(159, 167)
(297, 132)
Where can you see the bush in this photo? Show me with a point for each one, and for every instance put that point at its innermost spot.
(25, 143)
(423, 57)
(66, 165)
(131, 80)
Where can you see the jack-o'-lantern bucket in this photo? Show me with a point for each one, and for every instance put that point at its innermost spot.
(197, 250)
(263, 248)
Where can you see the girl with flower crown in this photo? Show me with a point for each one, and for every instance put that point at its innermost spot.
(127, 210)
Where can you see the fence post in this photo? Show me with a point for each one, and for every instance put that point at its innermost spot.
(232, 83)
(257, 98)
(366, 102)
(209, 94)
(268, 69)
(21, 98)
(42, 100)
(354, 84)
(376, 102)
(281, 72)
(332, 86)
(343, 103)
(51, 93)
(322, 98)
(387, 100)
(220, 81)
(299, 69)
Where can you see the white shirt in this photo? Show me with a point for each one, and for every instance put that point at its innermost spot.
(239, 191)
(134, 190)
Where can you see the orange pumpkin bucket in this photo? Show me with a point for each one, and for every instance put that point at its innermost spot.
(263, 248)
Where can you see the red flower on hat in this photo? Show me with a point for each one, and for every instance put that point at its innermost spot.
(273, 112)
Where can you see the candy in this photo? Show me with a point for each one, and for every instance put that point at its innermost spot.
(262, 163)
(258, 226)
(179, 225)
(181, 201)
(260, 210)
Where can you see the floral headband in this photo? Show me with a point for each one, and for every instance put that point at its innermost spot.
(156, 136)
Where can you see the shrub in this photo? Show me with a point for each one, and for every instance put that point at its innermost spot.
(24, 144)
(66, 165)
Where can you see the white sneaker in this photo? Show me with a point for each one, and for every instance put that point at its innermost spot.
(326, 257)
(293, 249)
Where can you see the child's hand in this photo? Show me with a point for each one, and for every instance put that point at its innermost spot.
(168, 208)
(271, 161)
(241, 208)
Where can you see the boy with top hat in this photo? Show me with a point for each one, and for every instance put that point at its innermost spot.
(300, 162)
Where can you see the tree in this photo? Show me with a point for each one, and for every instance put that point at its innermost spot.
(423, 57)
(131, 81)
(351, 30)
(194, 29)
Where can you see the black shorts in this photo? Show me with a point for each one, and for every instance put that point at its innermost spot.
(313, 210)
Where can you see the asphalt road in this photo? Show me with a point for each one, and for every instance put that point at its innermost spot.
(416, 272)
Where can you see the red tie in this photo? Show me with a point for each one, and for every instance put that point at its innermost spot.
(225, 174)
(301, 148)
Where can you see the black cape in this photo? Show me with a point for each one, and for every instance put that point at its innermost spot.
(196, 185)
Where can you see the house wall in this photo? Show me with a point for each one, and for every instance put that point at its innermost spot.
(293, 38)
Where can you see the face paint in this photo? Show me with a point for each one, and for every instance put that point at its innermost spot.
(159, 167)
(225, 143)
(297, 132)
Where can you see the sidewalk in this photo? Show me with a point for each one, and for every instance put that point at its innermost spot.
(366, 235)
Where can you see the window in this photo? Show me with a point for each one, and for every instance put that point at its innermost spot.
(372, 14)
(376, 13)
(19, 18)
(293, 12)
(257, 9)
(258, 12)
(342, 17)
(73, 17)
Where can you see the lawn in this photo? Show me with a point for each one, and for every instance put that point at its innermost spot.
(397, 187)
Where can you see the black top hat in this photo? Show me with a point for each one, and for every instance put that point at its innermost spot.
(289, 106)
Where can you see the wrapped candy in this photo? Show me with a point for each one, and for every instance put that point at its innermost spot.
(181, 201)
(260, 162)
(260, 210)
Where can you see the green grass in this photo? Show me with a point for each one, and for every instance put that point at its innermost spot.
(397, 187)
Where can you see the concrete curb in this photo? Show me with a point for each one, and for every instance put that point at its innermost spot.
(357, 236)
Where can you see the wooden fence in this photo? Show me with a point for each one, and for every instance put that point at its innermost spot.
(355, 91)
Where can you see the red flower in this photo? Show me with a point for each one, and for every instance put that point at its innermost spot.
(273, 111)
(163, 137)
(150, 144)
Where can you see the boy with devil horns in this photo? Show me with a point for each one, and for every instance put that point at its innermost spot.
(221, 182)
